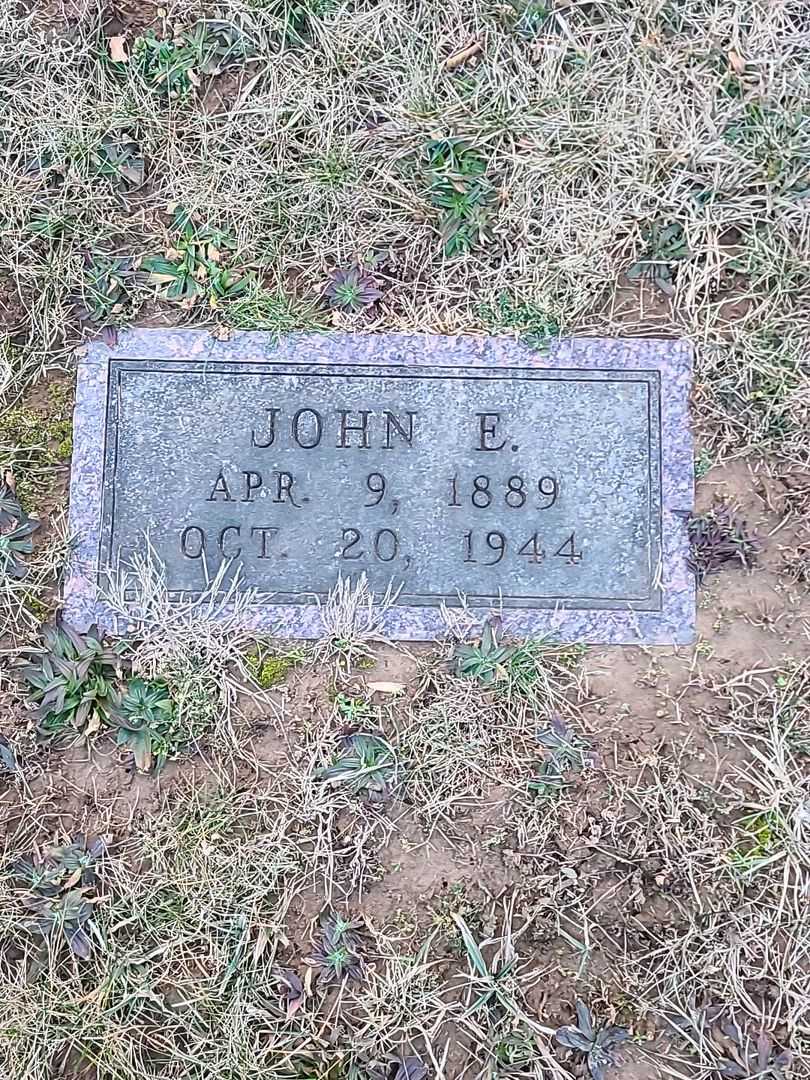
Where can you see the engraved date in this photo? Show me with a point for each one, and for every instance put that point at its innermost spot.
(490, 548)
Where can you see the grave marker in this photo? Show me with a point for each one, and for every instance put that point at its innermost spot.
(550, 488)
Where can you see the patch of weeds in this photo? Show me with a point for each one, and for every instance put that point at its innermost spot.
(494, 985)
(703, 463)
(338, 952)
(455, 901)
(527, 18)
(16, 530)
(567, 751)
(542, 670)
(60, 889)
(735, 1050)
(776, 140)
(484, 660)
(196, 266)
(762, 841)
(351, 289)
(146, 723)
(665, 247)
(217, 45)
(296, 16)
(461, 193)
(364, 764)
(278, 312)
(119, 159)
(268, 669)
(596, 1044)
(32, 444)
(753, 1058)
(107, 289)
(72, 681)
(61, 868)
(166, 67)
(531, 324)
(353, 710)
(716, 539)
(352, 618)
(172, 68)
(514, 1053)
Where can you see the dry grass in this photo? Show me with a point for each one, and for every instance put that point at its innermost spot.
(660, 890)
(612, 117)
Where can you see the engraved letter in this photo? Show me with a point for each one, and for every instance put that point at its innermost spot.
(263, 530)
(220, 488)
(346, 427)
(253, 481)
(316, 434)
(187, 541)
(392, 423)
(234, 554)
(284, 489)
(487, 422)
(271, 430)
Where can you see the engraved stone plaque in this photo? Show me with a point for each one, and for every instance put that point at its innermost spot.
(550, 489)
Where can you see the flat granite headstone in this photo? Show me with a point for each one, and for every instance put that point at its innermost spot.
(552, 489)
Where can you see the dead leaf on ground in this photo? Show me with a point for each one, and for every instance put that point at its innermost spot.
(456, 59)
(386, 687)
(118, 49)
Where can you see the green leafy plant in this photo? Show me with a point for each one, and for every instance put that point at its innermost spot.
(72, 680)
(295, 17)
(217, 45)
(597, 1044)
(172, 68)
(762, 835)
(63, 918)
(59, 887)
(16, 530)
(666, 246)
(106, 292)
(455, 900)
(716, 539)
(461, 192)
(166, 67)
(514, 1052)
(458, 157)
(118, 158)
(59, 869)
(492, 983)
(484, 660)
(464, 217)
(194, 267)
(353, 710)
(338, 953)
(351, 289)
(14, 542)
(567, 751)
(364, 764)
(145, 722)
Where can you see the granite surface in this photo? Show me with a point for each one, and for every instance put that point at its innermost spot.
(167, 438)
